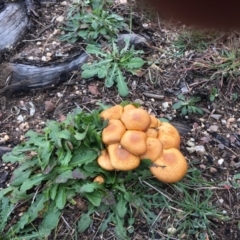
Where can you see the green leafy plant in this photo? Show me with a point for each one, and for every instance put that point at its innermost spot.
(110, 65)
(89, 25)
(213, 94)
(58, 165)
(187, 106)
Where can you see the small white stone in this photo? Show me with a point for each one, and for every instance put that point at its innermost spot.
(224, 122)
(49, 54)
(165, 105)
(171, 230)
(220, 161)
(60, 19)
(221, 200)
(145, 25)
(30, 58)
(39, 43)
(213, 128)
(190, 143)
(200, 149)
(64, 3)
(6, 138)
(59, 94)
(44, 59)
(231, 120)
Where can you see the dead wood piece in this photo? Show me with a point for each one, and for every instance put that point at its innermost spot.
(14, 20)
(25, 77)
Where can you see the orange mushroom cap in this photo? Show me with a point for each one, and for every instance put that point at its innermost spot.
(114, 112)
(171, 167)
(154, 122)
(121, 159)
(129, 107)
(154, 149)
(104, 161)
(169, 136)
(152, 132)
(136, 119)
(99, 179)
(113, 132)
(134, 142)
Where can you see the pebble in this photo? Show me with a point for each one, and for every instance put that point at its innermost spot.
(220, 161)
(200, 149)
(171, 230)
(190, 143)
(39, 43)
(64, 3)
(224, 122)
(24, 126)
(231, 120)
(212, 170)
(165, 105)
(221, 200)
(60, 19)
(213, 128)
(216, 116)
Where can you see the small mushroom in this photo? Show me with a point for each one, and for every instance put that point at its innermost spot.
(134, 142)
(169, 136)
(136, 119)
(114, 112)
(99, 179)
(104, 161)
(121, 159)
(154, 149)
(113, 132)
(171, 167)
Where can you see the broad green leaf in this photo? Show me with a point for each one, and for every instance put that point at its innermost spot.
(50, 218)
(88, 188)
(65, 134)
(181, 97)
(18, 178)
(92, 49)
(80, 136)
(121, 207)
(37, 206)
(44, 154)
(199, 110)
(184, 111)
(109, 81)
(82, 156)
(61, 197)
(121, 84)
(177, 105)
(53, 191)
(134, 63)
(64, 176)
(84, 222)
(95, 198)
(35, 180)
(5, 210)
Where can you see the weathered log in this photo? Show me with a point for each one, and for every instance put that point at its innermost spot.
(23, 77)
(13, 24)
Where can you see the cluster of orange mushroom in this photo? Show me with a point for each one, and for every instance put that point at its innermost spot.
(132, 134)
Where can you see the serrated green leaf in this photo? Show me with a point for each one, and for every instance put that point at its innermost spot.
(44, 154)
(84, 222)
(181, 97)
